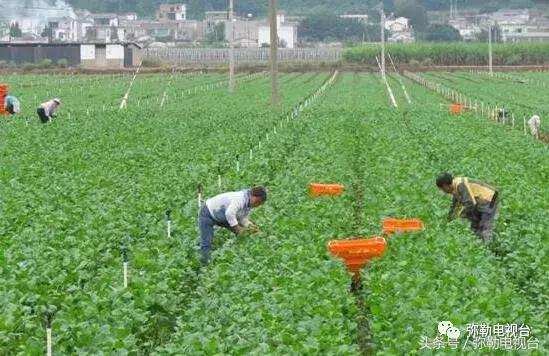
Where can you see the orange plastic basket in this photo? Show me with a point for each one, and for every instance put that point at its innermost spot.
(356, 253)
(456, 109)
(3, 93)
(401, 225)
(318, 189)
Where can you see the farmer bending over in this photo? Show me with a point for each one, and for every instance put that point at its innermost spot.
(472, 200)
(46, 111)
(534, 124)
(228, 210)
(12, 105)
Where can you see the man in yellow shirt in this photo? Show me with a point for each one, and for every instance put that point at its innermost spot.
(472, 200)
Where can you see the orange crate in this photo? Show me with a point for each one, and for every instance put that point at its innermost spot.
(401, 225)
(456, 108)
(318, 189)
(4, 88)
(356, 253)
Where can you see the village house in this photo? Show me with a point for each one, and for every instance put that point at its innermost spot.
(400, 30)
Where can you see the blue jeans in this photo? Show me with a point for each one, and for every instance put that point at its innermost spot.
(206, 224)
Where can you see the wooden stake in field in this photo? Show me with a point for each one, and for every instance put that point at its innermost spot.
(274, 53)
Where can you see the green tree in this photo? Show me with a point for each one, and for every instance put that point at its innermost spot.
(441, 33)
(47, 32)
(15, 31)
(415, 12)
(327, 26)
(217, 34)
(496, 35)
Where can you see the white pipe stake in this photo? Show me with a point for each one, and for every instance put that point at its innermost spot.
(219, 180)
(48, 342)
(199, 199)
(125, 274)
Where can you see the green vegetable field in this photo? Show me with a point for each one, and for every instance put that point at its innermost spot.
(83, 194)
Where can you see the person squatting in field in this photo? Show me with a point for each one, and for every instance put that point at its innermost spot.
(229, 210)
(534, 124)
(46, 111)
(472, 200)
(12, 105)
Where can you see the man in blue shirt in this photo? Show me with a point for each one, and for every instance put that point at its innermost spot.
(229, 210)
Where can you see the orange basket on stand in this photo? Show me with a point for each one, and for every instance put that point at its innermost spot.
(318, 189)
(356, 253)
(456, 108)
(391, 225)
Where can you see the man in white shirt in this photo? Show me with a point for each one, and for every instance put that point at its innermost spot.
(534, 124)
(46, 111)
(229, 210)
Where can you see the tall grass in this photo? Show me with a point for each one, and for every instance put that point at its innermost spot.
(453, 53)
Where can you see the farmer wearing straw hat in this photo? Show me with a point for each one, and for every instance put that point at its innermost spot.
(12, 105)
(472, 200)
(228, 210)
(46, 111)
(534, 124)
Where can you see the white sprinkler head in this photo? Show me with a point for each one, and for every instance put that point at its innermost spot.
(443, 326)
(453, 333)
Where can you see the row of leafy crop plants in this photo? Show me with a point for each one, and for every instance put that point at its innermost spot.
(269, 301)
(77, 191)
(452, 54)
(278, 291)
(445, 273)
(516, 93)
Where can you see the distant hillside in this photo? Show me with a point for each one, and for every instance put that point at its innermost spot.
(196, 8)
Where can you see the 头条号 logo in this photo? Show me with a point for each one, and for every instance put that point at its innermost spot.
(482, 336)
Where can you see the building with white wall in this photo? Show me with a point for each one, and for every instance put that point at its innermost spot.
(171, 12)
(287, 34)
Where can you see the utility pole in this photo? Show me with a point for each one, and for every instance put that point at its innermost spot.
(231, 47)
(490, 59)
(382, 43)
(274, 53)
